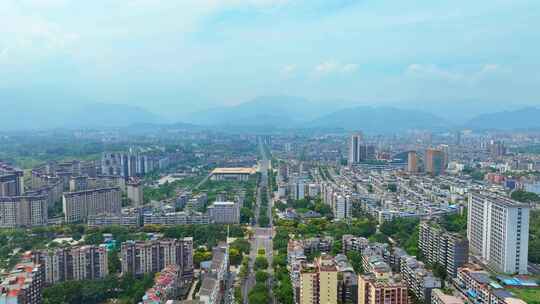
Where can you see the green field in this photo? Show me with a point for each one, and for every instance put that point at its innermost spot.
(529, 295)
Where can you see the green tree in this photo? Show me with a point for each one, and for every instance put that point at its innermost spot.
(201, 256)
(525, 197)
(235, 256)
(114, 261)
(356, 261)
(261, 263)
(245, 215)
(261, 276)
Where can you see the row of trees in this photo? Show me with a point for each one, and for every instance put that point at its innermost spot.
(126, 289)
(365, 227)
(259, 293)
(283, 290)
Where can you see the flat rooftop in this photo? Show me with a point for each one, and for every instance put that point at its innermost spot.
(233, 171)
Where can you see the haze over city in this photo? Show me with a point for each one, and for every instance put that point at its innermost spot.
(269, 152)
(173, 58)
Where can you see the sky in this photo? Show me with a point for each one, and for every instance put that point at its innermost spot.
(176, 56)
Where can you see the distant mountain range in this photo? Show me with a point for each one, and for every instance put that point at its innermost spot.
(263, 113)
(292, 112)
(526, 118)
(16, 117)
(379, 120)
(275, 111)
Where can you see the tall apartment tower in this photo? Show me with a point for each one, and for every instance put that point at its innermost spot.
(140, 257)
(498, 231)
(434, 162)
(438, 246)
(359, 150)
(412, 159)
(354, 143)
(77, 206)
(78, 263)
(445, 149)
(11, 181)
(23, 211)
(497, 148)
(135, 192)
(319, 282)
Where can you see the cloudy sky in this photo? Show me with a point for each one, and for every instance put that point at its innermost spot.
(181, 55)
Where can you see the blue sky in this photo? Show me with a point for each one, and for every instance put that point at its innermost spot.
(175, 56)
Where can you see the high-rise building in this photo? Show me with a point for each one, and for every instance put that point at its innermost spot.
(77, 206)
(412, 160)
(224, 212)
(319, 282)
(342, 206)
(11, 181)
(135, 192)
(419, 280)
(498, 231)
(383, 289)
(347, 280)
(445, 149)
(78, 183)
(354, 143)
(458, 138)
(140, 257)
(497, 149)
(438, 246)
(77, 263)
(23, 211)
(434, 162)
(214, 281)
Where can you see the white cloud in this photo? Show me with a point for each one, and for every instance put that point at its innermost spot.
(332, 66)
(468, 76)
(433, 71)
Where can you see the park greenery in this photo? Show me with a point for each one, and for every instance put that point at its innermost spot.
(305, 205)
(125, 289)
(403, 232)
(534, 237)
(456, 222)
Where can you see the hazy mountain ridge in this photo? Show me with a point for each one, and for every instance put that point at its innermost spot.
(379, 119)
(280, 111)
(262, 113)
(88, 116)
(525, 118)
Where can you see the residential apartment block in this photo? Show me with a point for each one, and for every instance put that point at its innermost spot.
(498, 231)
(438, 246)
(23, 211)
(382, 289)
(76, 263)
(140, 257)
(77, 206)
(319, 282)
(224, 212)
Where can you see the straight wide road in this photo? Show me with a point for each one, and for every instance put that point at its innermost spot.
(262, 236)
